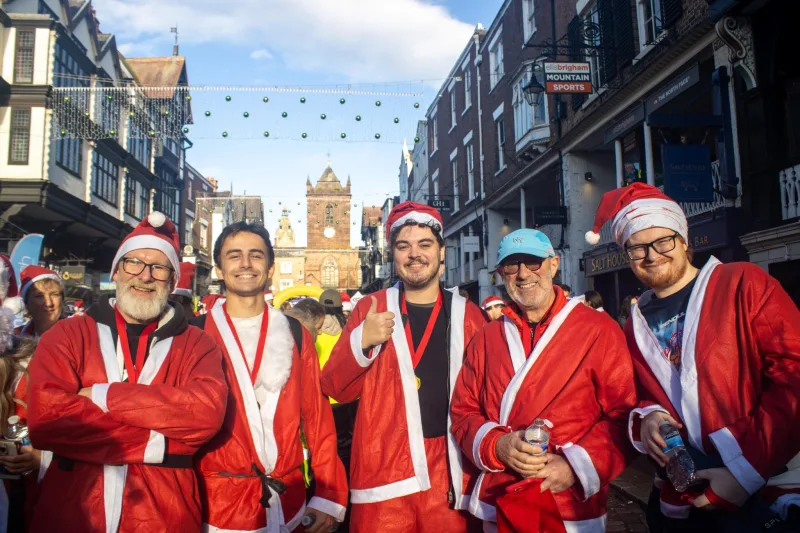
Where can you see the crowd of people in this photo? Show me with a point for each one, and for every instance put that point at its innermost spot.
(410, 410)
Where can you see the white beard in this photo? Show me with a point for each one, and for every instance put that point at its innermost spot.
(141, 309)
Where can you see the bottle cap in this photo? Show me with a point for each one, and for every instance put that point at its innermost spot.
(13, 419)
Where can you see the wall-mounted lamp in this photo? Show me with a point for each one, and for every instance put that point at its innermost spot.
(533, 90)
(588, 177)
(505, 222)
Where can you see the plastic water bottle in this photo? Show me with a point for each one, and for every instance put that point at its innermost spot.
(680, 466)
(537, 434)
(17, 431)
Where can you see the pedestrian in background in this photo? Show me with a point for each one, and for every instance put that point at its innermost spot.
(593, 300)
(310, 313)
(43, 294)
(493, 305)
(625, 309)
(567, 290)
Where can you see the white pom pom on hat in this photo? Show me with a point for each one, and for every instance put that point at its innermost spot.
(592, 237)
(156, 219)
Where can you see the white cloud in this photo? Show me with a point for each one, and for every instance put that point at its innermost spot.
(261, 53)
(360, 40)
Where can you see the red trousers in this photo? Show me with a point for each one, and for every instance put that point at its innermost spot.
(424, 512)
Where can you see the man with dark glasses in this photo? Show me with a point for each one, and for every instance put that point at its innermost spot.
(717, 356)
(551, 359)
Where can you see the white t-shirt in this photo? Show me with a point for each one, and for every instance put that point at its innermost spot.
(248, 330)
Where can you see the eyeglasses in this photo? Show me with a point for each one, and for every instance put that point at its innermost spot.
(533, 264)
(134, 267)
(661, 246)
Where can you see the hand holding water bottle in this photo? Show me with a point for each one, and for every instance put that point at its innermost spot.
(651, 438)
(518, 455)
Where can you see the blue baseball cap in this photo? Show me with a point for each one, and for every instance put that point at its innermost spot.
(525, 241)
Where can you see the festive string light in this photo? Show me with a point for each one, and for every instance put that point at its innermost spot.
(228, 98)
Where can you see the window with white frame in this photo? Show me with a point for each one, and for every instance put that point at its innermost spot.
(285, 284)
(189, 228)
(648, 13)
(203, 235)
(495, 60)
(592, 17)
(467, 87)
(435, 187)
(23, 66)
(286, 267)
(453, 108)
(20, 138)
(456, 192)
(526, 116)
(500, 158)
(434, 134)
(528, 19)
(470, 172)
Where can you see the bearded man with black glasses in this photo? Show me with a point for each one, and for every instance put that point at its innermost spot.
(124, 396)
(717, 356)
(558, 361)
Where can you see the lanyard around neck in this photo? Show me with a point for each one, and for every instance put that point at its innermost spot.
(262, 339)
(141, 346)
(416, 354)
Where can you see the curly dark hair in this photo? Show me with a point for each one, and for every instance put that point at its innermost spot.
(239, 227)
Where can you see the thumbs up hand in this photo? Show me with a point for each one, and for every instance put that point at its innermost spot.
(377, 328)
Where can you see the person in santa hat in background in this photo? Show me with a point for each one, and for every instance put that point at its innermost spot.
(183, 294)
(43, 294)
(493, 305)
(208, 301)
(124, 396)
(716, 351)
(347, 305)
(400, 353)
(555, 360)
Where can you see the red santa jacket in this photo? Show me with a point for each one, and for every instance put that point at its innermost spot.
(262, 428)
(578, 376)
(123, 457)
(737, 391)
(388, 457)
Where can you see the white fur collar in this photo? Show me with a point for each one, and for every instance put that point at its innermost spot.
(278, 352)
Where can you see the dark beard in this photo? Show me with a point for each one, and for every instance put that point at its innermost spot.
(663, 282)
(424, 283)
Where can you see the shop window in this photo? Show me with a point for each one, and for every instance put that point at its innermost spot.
(632, 158)
(20, 139)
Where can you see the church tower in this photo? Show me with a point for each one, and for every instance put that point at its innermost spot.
(284, 236)
(328, 212)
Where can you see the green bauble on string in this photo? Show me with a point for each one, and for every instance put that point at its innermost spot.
(224, 133)
(266, 134)
(396, 120)
(303, 100)
(358, 118)
(266, 99)
(323, 116)
(416, 139)
(246, 114)
(377, 135)
(185, 130)
(304, 135)
(228, 98)
(344, 135)
(112, 132)
(110, 97)
(208, 113)
(284, 114)
(416, 105)
(188, 97)
(341, 100)
(377, 103)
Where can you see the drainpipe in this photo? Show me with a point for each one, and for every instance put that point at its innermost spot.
(478, 62)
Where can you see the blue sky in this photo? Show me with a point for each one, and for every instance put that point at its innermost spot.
(372, 44)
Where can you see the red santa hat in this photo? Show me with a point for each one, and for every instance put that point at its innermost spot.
(33, 273)
(184, 286)
(155, 232)
(635, 208)
(9, 295)
(407, 212)
(492, 300)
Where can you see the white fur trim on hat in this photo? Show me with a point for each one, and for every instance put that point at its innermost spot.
(347, 306)
(144, 242)
(156, 219)
(25, 288)
(649, 213)
(419, 218)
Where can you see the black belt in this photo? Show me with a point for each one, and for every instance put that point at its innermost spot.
(170, 461)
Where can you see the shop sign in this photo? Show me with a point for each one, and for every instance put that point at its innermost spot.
(608, 262)
(443, 206)
(631, 119)
(547, 215)
(672, 89)
(73, 275)
(687, 172)
(561, 77)
(471, 243)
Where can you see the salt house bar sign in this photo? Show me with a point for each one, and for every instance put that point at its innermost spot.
(567, 77)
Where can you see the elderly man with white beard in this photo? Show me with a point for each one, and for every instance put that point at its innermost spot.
(124, 396)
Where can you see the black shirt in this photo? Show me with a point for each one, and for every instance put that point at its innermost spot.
(666, 316)
(432, 370)
(134, 331)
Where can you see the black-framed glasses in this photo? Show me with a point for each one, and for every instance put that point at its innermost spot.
(134, 267)
(661, 246)
(532, 264)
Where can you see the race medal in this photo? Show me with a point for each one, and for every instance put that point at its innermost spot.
(419, 382)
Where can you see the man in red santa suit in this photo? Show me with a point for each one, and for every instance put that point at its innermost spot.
(551, 359)
(493, 305)
(124, 396)
(400, 353)
(717, 355)
(183, 294)
(251, 472)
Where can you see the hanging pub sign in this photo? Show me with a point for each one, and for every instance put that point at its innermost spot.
(443, 206)
(687, 172)
(550, 215)
(561, 77)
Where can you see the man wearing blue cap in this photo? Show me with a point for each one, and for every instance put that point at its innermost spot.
(552, 359)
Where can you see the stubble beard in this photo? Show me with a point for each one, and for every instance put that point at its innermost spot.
(142, 309)
(420, 280)
(537, 299)
(663, 280)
